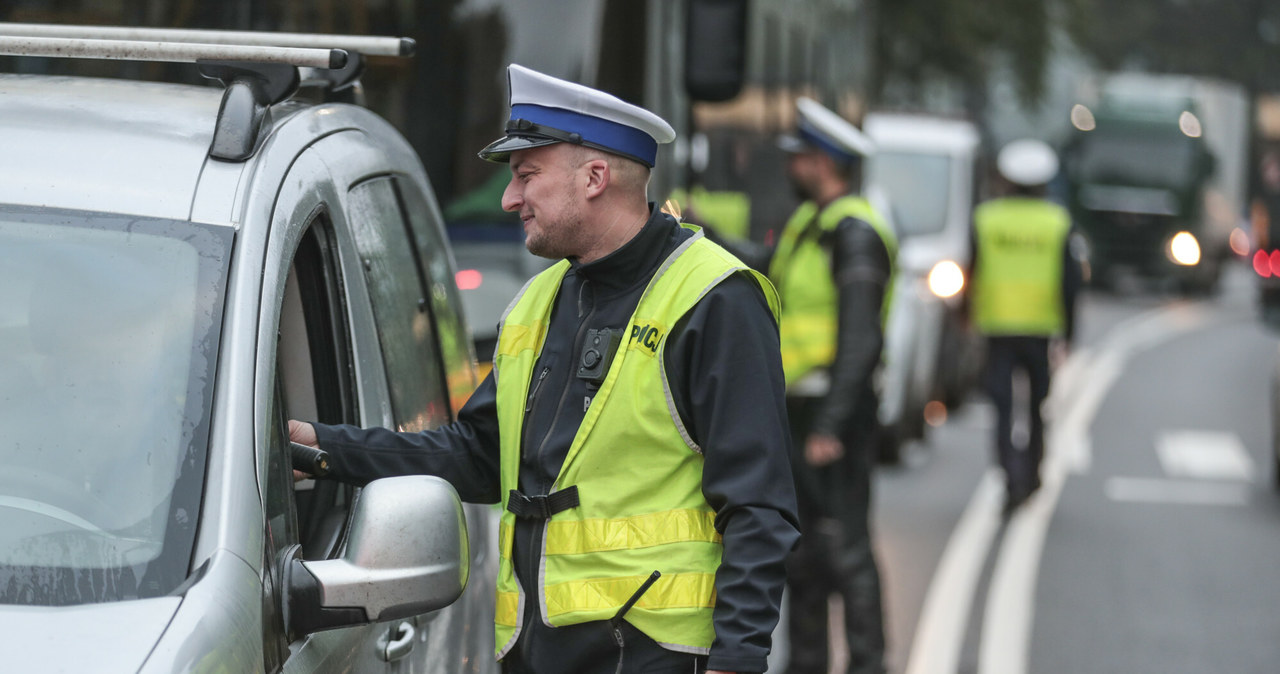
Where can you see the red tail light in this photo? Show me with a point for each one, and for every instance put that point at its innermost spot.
(469, 279)
(1267, 263)
(1262, 264)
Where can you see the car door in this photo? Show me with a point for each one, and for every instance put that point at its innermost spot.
(313, 374)
(429, 371)
(475, 609)
(425, 348)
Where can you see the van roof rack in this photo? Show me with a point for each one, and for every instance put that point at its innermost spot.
(257, 69)
(171, 52)
(369, 45)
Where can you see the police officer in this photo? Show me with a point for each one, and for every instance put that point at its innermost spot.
(633, 427)
(833, 268)
(1022, 296)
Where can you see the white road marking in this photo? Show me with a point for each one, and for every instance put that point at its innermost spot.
(1078, 390)
(940, 633)
(1007, 615)
(1148, 490)
(1010, 608)
(1204, 455)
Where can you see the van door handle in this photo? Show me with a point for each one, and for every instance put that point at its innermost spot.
(391, 650)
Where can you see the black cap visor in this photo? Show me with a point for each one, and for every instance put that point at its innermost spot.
(499, 151)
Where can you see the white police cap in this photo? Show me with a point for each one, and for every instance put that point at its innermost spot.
(820, 128)
(546, 110)
(1028, 162)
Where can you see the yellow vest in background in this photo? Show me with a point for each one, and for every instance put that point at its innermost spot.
(728, 213)
(637, 470)
(801, 270)
(1017, 285)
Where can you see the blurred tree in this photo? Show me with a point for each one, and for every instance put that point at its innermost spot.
(919, 42)
(1239, 41)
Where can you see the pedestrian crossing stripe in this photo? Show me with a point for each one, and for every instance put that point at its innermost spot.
(1204, 455)
(1176, 492)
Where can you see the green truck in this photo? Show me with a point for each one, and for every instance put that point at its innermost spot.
(1156, 178)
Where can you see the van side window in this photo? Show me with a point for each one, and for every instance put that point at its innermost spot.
(314, 362)
(312, 381)
(399, 293)
(426, 226)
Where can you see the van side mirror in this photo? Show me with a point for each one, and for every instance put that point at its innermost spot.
(407, 553)
(715, 49)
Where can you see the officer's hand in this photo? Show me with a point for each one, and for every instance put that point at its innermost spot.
(718, 671)
(304, 434)
(1058, 352)
(821, 450)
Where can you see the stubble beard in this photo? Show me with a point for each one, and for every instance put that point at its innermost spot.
(800, 190)
(560, 237)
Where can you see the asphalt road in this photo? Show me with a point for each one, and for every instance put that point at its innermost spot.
(1154, 545)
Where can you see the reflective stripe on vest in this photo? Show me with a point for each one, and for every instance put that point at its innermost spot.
(801, 269)
(1018, 281)
(637, 470)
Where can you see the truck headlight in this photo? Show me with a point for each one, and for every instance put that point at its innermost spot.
(1184, 249)
(946, 279)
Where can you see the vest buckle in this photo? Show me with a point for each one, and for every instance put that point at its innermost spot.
(542, 507)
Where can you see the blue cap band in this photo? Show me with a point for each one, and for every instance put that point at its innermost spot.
(620, 138)
(819, 141)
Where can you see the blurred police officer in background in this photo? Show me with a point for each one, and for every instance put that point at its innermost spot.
(1022, 299)
(633, 426)
(833, 267)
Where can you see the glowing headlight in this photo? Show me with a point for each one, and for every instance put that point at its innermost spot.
(946, 279)
(1190, 124)
(1082, 118)
(1184, 249)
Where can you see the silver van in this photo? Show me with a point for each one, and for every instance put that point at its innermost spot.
(927, 167)
(183, 269)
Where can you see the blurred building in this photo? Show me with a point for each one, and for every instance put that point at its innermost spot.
(450, 99)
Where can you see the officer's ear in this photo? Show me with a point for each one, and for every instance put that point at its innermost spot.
(598, 176)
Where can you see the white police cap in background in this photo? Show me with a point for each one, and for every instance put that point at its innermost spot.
(546, 110)
(819, 128)
(1028, 162)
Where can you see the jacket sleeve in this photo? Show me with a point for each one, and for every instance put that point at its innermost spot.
(465, 452)
(861, 267)
(970, 271)
(725, 372)
(1072, 279)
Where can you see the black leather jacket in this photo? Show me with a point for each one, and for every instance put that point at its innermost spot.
(861, 269)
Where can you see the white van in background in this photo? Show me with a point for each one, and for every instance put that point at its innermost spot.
(925, 168)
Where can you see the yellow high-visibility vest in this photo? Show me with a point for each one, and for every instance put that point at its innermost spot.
(727, 212)
(636, 468)
(1017, 284)
(801, 269)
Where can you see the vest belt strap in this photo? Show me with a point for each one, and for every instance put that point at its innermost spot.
(542, 507)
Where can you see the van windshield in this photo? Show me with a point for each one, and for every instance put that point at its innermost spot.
(108, 340)
(919, 186)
